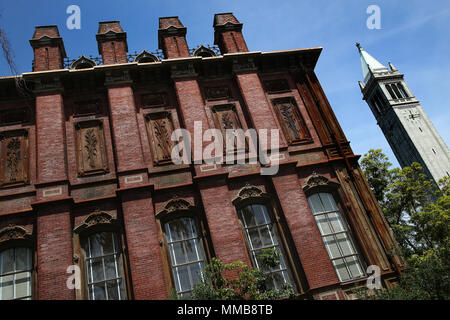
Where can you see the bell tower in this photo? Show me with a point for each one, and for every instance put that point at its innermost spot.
(404, 123)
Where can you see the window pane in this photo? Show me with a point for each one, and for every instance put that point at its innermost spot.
(7, 261)
(192, 250)
(107, 242)
(322, 223)
(345, 244)
(196, 272)
(315, 204)
(23, 284)
(254, 238)
(99, 291)
(113, 293)
(341, 269)
(328, 202)
(96, 245)
(178, 229)
(95, 270)
(184, 282)
(7, 287)
(22, 259)
(177, 252)
(336, 221)
(267, 236)
(110, 267)
(332, 247)
(248, 217)
(355, 266)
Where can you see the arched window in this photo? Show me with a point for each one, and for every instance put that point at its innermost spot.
(187, 256)
(336, 237)
(261, 232)
(104, 267)
(16, 263)
(185, 245)
(98, 246)
(16, 273)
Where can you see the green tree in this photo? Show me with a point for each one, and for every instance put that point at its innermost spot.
(419, 215)
(237, 281)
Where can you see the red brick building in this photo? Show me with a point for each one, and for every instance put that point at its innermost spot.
(86, 177)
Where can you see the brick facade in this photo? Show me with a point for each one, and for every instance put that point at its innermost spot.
(95, 164)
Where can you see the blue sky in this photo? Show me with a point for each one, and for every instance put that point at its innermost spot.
(414, 36)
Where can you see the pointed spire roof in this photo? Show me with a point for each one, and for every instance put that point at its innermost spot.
(369, 64)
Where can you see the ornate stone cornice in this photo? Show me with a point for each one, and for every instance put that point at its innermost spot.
(14, 232)
(315, 181)
(96, 218)
(175, 205)
(249, 192)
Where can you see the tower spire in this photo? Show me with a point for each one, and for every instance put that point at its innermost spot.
(369, 64)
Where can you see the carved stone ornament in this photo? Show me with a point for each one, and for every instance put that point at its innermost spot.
(83, 63)
(249, 192)
(175, 205)
(14, 232)
(96, 218)
(146, 56)
(315, 180)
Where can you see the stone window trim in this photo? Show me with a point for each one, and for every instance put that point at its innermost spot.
(96, 222)
(250, 194)
(14, 236)
(174, 209)
(93, 148)
(18, 161)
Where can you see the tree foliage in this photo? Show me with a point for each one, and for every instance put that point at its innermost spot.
(419, 215)
(237, 281)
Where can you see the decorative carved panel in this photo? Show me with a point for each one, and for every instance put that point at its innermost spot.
(278, 85)
(86, 108)
(226, 117)
(160, 128)
(291, 121)
(90, 148)
(14, 156)
(216, 93)
(153, 100)
(14, 116)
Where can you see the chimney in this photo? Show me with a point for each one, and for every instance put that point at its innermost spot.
(48, 47)
(112, 42)
(172, 38)
(228, 33)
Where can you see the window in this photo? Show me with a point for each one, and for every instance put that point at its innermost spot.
(186, 254)
(15, 274)
(261, 233)
(104, 266)
(336, 237)
(396, 90)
